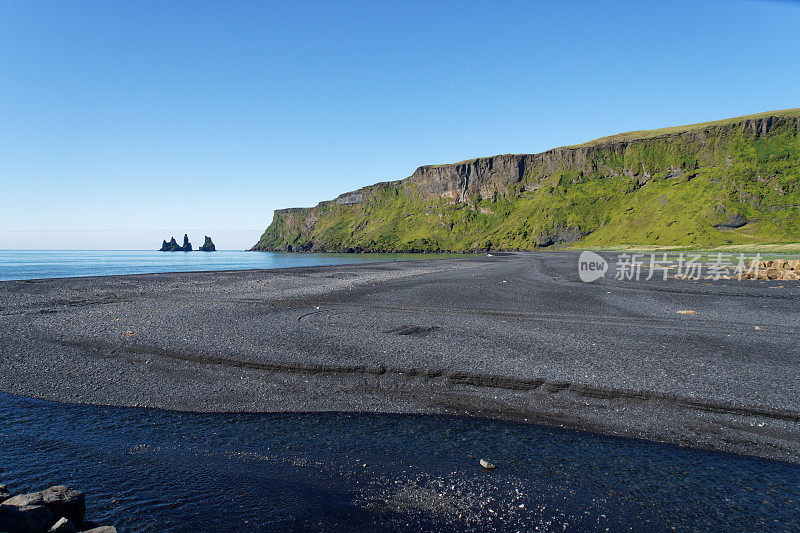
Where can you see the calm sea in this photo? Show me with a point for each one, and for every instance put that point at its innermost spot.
(36, 264)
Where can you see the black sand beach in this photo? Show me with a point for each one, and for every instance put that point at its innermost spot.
(515, 336)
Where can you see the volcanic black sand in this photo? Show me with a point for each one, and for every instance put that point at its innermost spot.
(519, 336)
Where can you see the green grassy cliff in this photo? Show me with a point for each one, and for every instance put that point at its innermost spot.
(735, 181)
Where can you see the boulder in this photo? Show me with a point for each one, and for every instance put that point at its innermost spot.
(60, 500)
(773, 273)
(101, 529)
(63, 526)
(66, 502)
(208, 245)
(25, 518)
(733, 222)
(22, 500)
(559, 235)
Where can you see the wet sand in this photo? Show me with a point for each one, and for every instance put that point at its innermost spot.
(512, 336)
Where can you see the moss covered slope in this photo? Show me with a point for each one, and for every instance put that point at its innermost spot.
(735, 181)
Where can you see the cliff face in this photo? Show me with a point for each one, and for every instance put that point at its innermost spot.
(731, 181)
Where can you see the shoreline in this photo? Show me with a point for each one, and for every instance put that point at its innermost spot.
(513, 337)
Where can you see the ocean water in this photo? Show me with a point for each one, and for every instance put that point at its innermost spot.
(152, 470)
(36, 264)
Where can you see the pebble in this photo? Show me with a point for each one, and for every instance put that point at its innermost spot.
(486, 464)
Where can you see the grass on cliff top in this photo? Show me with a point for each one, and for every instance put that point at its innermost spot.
(649, 134)
(783, 250)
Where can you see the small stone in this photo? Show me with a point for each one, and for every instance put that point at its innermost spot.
(486, 464)
(63, 526)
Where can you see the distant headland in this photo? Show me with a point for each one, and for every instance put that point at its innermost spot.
(173, 246)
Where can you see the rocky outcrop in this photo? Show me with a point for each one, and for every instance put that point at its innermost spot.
(525, 201)
(208, 245)
(559, 235)
(173, 246)
(25, 518)
(58, 509)
(732, 222)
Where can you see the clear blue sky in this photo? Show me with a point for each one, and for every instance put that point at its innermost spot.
(146, 115)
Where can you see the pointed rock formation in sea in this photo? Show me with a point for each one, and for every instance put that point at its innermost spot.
(208, 245)
(187, 246)
(171, 246)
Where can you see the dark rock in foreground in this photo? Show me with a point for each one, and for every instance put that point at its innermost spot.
(25, 518)
(58, 509)
(208, 245)
(63, 501)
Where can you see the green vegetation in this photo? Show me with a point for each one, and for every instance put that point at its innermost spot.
(728, 183)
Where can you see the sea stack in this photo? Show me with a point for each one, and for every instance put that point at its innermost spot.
(171, 246)
(208, 245)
